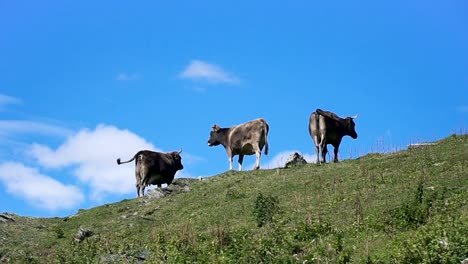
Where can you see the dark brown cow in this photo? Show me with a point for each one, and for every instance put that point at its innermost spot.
(154, 168)
(245, 139)
(327, 128)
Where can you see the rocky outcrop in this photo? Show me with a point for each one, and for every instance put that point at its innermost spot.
(6, 217)
(82, 234)
(294, 160)
(179, 185)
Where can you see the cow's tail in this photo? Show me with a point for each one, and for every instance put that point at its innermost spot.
(266, 129)
(132, 159)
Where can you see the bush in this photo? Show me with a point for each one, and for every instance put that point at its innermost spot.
(307, 232)
(59, 232)
(265, 208)
(443, 241)
(415, 212)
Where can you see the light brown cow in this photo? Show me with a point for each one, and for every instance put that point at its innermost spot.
(245, 139)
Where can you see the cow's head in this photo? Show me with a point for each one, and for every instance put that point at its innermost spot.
(214, 139)
(350, 127)
(177, 159)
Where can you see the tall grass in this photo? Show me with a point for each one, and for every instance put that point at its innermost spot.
(399, 207)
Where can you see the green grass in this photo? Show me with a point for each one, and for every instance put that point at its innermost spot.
(403, 207)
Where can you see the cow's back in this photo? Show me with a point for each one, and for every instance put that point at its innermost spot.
(252, 132)
(158, 168)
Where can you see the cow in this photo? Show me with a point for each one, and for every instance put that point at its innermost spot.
(154, 168)
(327, 128)
(245, 139)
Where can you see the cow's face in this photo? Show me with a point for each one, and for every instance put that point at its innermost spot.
(177, 160)
(350, 127)
(214, 139)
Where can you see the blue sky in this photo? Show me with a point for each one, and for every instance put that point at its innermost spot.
(83, 83)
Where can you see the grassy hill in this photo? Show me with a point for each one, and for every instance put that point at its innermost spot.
(404, 207)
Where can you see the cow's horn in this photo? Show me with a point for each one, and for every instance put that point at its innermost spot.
(354, 117)
(180, 151)
(215, 127)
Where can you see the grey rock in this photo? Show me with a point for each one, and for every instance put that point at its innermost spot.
(179, 185)
(126, 257)
(110, 258)
(294, 160)
(6, 217)
(144, 254)
(82, 234)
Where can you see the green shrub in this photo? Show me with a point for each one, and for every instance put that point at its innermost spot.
(265, 208)
(415, 212)
(444, 241)
(307, 232)
(59, 232)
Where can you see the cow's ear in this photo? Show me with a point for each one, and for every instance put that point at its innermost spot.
(215, 127)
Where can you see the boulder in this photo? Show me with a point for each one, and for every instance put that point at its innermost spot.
(82, 234)
(294, 160)
(6, 217)
(179, 185)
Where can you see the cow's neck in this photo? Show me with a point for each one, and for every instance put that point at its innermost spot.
(223, 134)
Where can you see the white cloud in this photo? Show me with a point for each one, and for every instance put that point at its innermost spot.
(9, 127)
(7, 100)
(128, 77)
(38, 189)
(93, 154)
(199, 70)
(279, 160)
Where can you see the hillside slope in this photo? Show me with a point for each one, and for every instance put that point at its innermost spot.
(404, 207)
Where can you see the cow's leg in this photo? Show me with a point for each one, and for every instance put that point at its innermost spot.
(137, 179)
(317, 151)
(141, 179)
(230, 157)
(258, 154)
(230, 162)
(336, 155)
(240, 160)
(323, 138)
(317, 148)
(137, 189)
(257, 161)
(335, 152)
(324, 152)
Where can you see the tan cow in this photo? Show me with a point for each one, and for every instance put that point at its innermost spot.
(245, 139)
